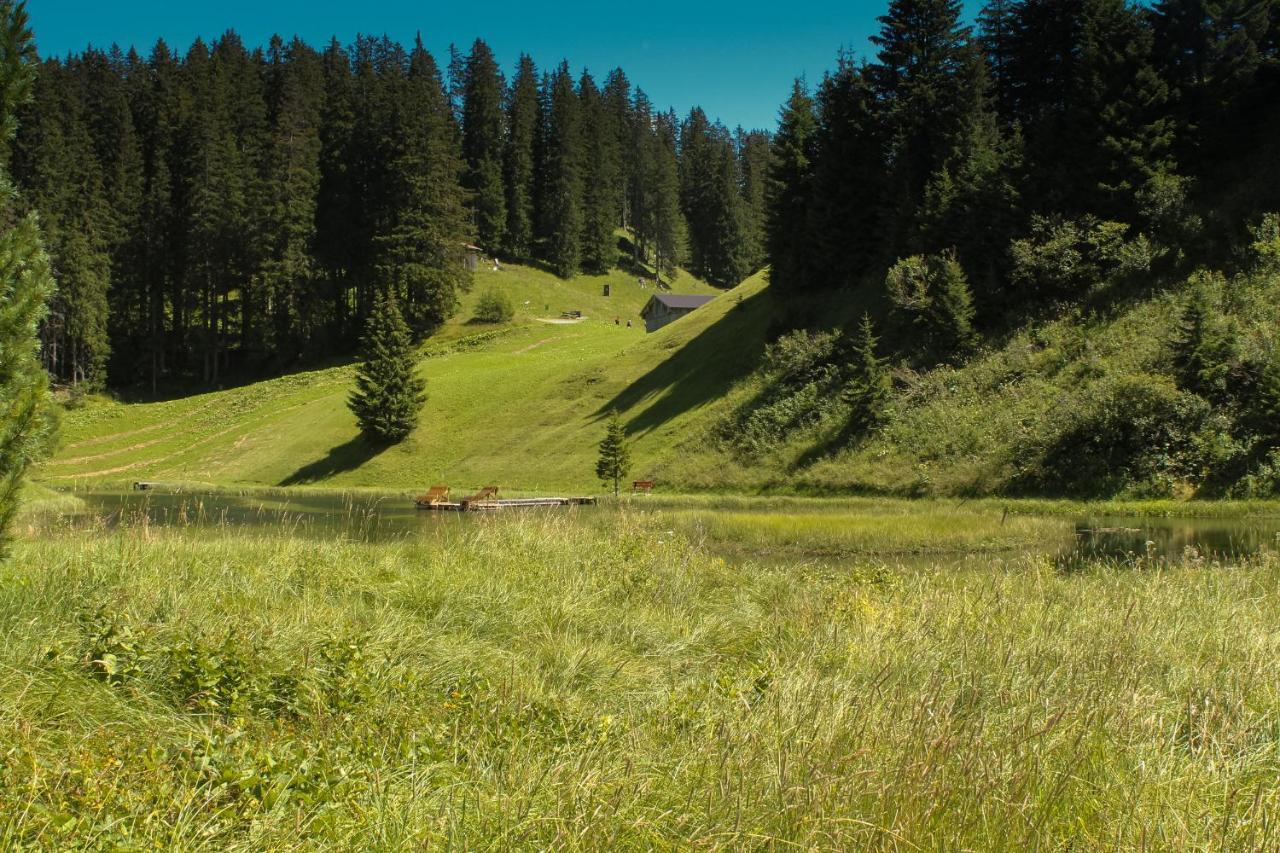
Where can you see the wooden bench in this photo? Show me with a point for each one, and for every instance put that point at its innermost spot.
(434, 495)
(645, 486)
(571, 315)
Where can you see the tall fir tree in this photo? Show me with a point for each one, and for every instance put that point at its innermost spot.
(422, 228)
(601, 167)
(295, 309)
(790, 192)
(563, 174)
(523, 122)
(482, 145)
(389, 393)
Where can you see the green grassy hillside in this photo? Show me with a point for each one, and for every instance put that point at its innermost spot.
(518, 405)
(1082, 402)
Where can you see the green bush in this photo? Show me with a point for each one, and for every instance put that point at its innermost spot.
(1134, 434)
(1069, 257)
(494, 306)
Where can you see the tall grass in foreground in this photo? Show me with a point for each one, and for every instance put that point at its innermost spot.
(528, 682)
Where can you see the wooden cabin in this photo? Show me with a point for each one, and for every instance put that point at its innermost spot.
(663, 308)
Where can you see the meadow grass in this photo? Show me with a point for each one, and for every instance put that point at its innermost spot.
(530, 682)
(520, 405)
(888, 528)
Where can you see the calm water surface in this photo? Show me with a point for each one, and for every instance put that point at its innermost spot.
(390, 518)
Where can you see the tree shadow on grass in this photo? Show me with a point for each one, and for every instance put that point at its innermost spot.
(341, 458)
(702, 370)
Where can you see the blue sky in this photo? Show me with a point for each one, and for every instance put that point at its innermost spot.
(736, 60)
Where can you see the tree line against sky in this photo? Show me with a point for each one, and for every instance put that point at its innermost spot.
(234, 209)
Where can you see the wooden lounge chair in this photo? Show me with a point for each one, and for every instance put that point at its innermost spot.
(485, 494)
(435, 495)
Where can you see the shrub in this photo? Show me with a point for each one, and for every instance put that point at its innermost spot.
(494, 306)
(1135, 433)
(1068, 257)
(931, 294)
(1266, 244)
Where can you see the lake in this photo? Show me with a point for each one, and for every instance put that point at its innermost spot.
(381, 518)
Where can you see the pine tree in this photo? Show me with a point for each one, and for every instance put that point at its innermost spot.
(868, 387)
(562, 210)
(25, 285)
(1203, 346)
(922, 74)
(482, 145)
(790, 192)
(297, 313)
(422, 224)
(600, 176)
(518, 160)
(614, 462)
(388, 393)
(753, 166)
(664, 224)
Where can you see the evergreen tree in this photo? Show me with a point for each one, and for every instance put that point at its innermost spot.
(58, 164)
(711, 198)
(601, 167)
(753, 166)
(790, 192)
(25, 285)
(931, 296)
(1203, 346)
(618, 120)
(482, 145)
(868, 387)
(664, 224)
(843, 218)
(922, 76)
(388, 393)
(523, 120)
(614, 461)
(562, 210)
(421, 228)
(296, 312)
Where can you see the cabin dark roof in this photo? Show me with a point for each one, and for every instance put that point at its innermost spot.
(682, 300)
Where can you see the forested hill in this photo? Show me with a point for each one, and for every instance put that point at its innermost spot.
(1057, 178)
(230, 212)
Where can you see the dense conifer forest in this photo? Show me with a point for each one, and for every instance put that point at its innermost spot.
(233, 211)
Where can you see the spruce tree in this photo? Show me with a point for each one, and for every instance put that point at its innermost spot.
(388, 393)
(518, 159)
(295, 314)
(664, 224)
(753, 166)
(614, 461)
(790, 192)
(562, 203)
(1203, 346)
(418, 245)
(845, 210)
(600, 176)
(25, 285)
(921, 75)
(868, 387)
(482, 145)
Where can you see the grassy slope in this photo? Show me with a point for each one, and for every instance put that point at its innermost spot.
(520, 409)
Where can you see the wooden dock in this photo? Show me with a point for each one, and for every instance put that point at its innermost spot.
(504, 503)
